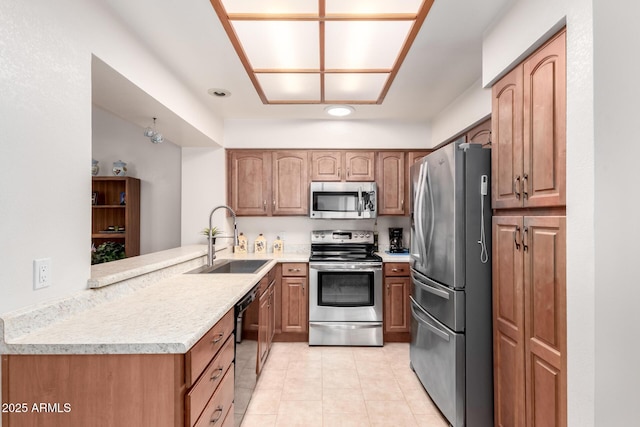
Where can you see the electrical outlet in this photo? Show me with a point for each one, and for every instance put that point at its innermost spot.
(41, 273)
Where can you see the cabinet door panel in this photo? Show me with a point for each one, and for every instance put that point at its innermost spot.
(397, 317)
(290, 183)
(544, 126)
(506, 150)
(326, 166)
(249, 182)
(480, 134)
(545, 322)
(508, 321)
(294, 304)
(360, 165)
(391, 176)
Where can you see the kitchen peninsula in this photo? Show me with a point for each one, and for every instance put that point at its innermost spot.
(126, 352)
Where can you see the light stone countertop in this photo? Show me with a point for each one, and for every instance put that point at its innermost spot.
(394, 257)
(167, 316)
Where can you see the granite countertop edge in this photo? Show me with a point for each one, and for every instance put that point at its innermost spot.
(167, 316)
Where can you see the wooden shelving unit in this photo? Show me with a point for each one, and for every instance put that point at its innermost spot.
(110, 212)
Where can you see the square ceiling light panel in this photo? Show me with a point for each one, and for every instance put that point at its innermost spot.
(322, 51)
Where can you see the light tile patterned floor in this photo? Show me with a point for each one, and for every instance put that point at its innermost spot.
(340, 386)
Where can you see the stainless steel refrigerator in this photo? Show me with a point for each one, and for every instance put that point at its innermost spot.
(451, 334)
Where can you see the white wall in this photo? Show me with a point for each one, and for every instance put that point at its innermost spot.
(204, 183)
(158, 166)
(296, 231)
(326, 134)
(471, 107)
(527, 25)
(616, 90)
(45, 117)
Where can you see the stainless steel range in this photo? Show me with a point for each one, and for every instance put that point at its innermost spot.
(345, 289)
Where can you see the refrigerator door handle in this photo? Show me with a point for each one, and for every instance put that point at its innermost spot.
(420, 213)
(431, 214)
(431, 289)
(419, 316)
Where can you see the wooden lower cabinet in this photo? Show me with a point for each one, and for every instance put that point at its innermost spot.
(397, 288)
(266, 322)
(529, 320)
(295, 301)
(171, 390)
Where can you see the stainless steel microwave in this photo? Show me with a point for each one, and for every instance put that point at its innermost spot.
(343, 200)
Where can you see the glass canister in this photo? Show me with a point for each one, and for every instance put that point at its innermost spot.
(95, 168)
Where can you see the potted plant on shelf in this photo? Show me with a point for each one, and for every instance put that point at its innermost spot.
(106, 252)
(214, 231)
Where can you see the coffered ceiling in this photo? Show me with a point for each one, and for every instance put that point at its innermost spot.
(428, 69)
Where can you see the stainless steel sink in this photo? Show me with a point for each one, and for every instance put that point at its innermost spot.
(232, 266)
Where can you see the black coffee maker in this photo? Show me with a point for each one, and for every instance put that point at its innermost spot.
(395, 240)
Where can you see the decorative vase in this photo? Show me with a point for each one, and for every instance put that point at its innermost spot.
(119, 168)
(94, 167)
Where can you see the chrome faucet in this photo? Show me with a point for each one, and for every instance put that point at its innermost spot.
(212, 248)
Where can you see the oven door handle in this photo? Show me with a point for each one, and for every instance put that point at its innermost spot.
(351, 326)
(341, 269)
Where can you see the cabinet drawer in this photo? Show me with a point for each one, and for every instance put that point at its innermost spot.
(219, 405)
(204, 350)
(294, 269)
(204, 388)
(396, 269)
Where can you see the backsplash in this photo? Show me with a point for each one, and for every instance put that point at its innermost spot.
(296, 231)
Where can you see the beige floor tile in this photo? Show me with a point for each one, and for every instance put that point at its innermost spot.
(300, 413)
(390, 413)
(305, 369)
(345, 420)
(258, 420)
(374, 369)
(338, 360)
(272, 379)
(381, 389)
(348, 394)
(336, 405)
(340, 378)
(302, 389)
(264, 402)
(431, 421)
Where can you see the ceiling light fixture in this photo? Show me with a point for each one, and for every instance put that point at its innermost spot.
(151, 133)
(322, 51)
(339, 110)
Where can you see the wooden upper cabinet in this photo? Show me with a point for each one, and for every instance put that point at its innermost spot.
(544, 121)
(390, 177)
(342, 166)
(360, 165)
(290, 183)
(506, 150)
(326, 166)
(249, 182)
(480, 134)
(528, 131)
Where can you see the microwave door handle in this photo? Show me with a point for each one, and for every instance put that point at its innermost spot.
(359, 201)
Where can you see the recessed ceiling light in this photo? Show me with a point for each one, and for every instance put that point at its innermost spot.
(339, 110)
(221, 93)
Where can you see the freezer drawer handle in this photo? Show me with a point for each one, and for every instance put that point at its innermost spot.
(432, 328)
(431, 289)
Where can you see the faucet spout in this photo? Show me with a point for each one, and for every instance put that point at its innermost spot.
(211, 254)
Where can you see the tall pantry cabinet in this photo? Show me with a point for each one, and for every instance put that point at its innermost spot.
(529, 240)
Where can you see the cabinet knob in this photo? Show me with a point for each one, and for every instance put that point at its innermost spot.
(264, 205)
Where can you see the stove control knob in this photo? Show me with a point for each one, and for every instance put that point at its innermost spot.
(322, 235)
(367, 235)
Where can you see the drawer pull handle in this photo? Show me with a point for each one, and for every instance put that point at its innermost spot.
(219, 411)
(294, 269)
(396, 270)
(217, 375)
(218, 338)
